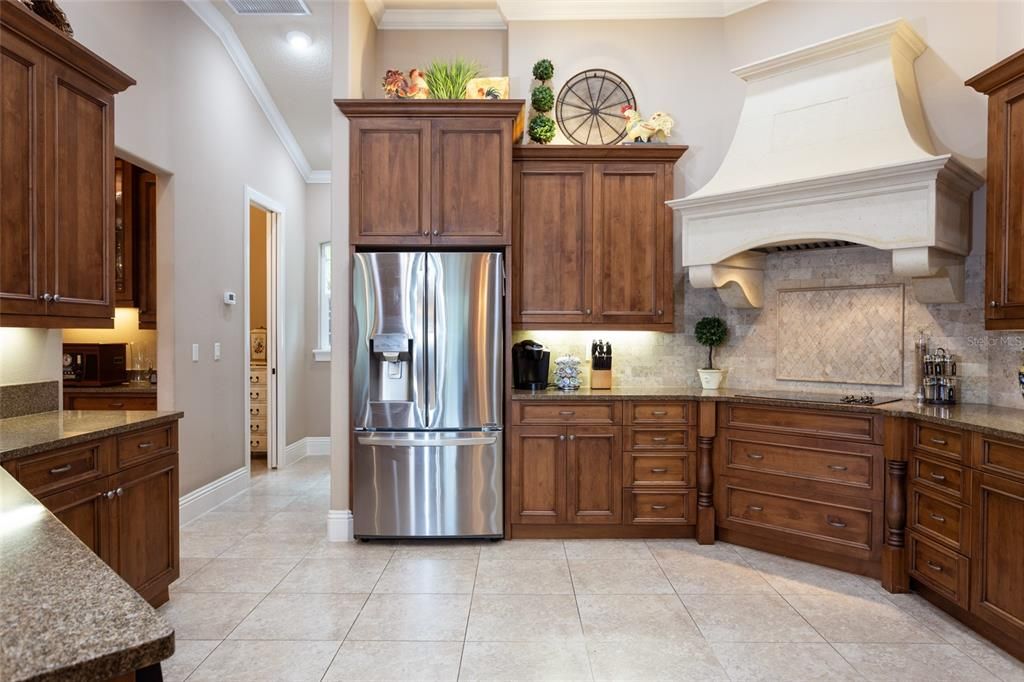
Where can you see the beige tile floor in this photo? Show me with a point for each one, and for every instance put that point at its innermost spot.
(263, 596)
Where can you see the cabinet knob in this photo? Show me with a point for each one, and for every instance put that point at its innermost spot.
(587, 311)
(993, 304)
(660, 311)
(426, 233)
(56, 298)
(572, 437)
(436, 232)
(46, 297)
(110, 494)
(561, 438)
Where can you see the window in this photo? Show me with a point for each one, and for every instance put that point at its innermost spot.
(323, 349)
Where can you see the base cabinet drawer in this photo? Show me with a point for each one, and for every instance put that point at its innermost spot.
(139, 446)
(937, 440)
(49, 472)
(939, 568)
(110, 402)
(852, 525)
(662, 506)
(942, 520)
(645, 413)
(935, 473)
(660, 439)
(644, 469)
(596, 413)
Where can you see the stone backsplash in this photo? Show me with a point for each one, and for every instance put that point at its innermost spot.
(988, 361)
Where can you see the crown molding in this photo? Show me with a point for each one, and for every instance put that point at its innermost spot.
(376, 10)
(319, 177)
(439, 19)
(614, 10)
(220, 26)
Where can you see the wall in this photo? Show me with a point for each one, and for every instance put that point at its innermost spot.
(192, 118)
(126, 330)
(404, 50)
(318, 374)
(29, 355)
(257, 267)
(699, 55)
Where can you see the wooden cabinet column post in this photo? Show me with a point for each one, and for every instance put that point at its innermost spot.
(894, 562)
(706, 427)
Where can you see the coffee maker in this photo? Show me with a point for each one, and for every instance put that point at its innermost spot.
(530, 365)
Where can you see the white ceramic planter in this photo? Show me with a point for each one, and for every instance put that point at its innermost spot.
(711, 378)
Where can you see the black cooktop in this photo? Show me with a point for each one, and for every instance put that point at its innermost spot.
(827, 398)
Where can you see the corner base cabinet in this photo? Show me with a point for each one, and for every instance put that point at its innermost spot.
(57, 163)
(592, 237)
(119, 495)
(431, 172)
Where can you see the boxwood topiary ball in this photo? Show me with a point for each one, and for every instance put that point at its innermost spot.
(543, 70)
(543, 99)
(542, 129)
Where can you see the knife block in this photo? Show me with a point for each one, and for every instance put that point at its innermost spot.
(600, 378)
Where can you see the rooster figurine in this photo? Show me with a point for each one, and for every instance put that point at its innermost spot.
(397, 86)
(655, 129)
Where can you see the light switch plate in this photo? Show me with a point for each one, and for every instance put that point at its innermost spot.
(195, 352)
(216, 350)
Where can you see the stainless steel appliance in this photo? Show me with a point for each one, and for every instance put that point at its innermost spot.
(427, 394)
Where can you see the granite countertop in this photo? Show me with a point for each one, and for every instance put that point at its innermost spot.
(145, 389)
(1000, 422)
(64, 614)
(31, 433)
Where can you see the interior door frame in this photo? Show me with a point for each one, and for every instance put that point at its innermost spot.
(276, 379)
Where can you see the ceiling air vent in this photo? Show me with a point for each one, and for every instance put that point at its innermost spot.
(269, 7)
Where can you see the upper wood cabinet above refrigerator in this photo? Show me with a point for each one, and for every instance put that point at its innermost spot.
(431, 172)
(57, 163)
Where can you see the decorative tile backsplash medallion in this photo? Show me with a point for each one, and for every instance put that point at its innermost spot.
(846, 335)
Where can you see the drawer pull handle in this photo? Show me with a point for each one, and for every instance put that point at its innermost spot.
(659, 439)
(60, 470)
(145, 446)
(934, 566)
(117, 405)
(659, 413)
(755, 508)
(938, 477)
(835, 523)
(938, 517)
(659, 507)
(939, 441)
(659, 470)
(837, 467)
(754, 455)
(567, 413)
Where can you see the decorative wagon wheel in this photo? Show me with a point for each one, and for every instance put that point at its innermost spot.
(589, 107)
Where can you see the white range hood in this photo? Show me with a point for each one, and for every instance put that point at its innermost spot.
(832, 147)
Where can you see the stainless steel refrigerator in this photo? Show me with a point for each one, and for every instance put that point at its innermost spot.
(427, 394)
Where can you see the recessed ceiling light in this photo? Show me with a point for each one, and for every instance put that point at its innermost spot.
(299, 40)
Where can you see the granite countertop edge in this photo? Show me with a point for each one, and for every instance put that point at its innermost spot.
(935, 414)
(46, 441)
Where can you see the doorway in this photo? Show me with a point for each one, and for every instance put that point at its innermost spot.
(264, 220)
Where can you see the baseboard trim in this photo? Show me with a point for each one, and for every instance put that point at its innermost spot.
(201, 500)
(311, 446)
(340, 525)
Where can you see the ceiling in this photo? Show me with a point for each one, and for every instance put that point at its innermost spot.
(299, 82)
(294, 87)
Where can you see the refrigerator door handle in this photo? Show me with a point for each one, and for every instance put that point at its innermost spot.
(426, 442)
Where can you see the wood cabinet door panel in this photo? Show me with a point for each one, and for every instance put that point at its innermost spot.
(22, 267)
(80, 194)
(594, 480)
(146, 523)
(997, 568)
(629, 244)
(390, 181)
(552, 243)
(471, 182)
(85, 510)
(537, 474)
(1005, 275)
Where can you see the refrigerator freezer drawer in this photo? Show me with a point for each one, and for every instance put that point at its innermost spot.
(428, 484)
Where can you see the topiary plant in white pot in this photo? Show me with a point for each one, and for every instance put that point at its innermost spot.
(711, 332)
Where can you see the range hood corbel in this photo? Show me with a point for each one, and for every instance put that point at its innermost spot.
(832, 147)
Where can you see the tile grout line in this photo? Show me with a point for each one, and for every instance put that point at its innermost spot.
(469, 614)
(579, 616)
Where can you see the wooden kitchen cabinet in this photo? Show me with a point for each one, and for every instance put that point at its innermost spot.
(135, 240)
(57, 160)
(593, 474)
(537, 481)
(431, 172)
(997, 593)
(592, 237)
(119, 495)
(1004, 201)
